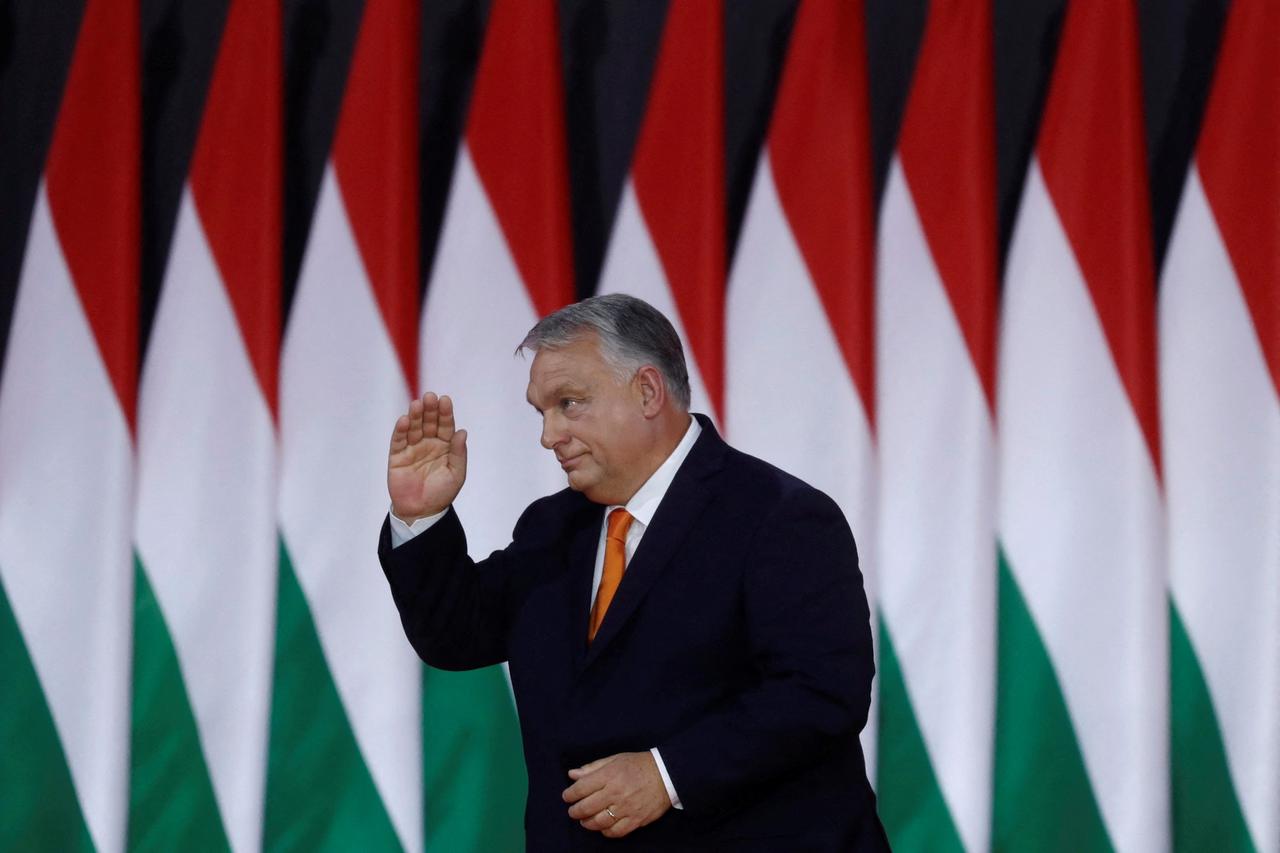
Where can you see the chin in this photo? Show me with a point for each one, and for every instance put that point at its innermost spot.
(591, 491)
(596, 494)
(580, 484)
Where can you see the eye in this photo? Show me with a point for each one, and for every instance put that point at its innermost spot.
(569, 404)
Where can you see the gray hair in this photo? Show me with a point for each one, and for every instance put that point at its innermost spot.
(632, 334)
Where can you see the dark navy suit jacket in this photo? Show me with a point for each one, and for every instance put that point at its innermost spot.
(738, 644)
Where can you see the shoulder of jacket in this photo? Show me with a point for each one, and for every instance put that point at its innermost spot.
(767, 482)
(552, 515)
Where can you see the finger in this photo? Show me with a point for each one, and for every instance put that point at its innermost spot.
(591, 805)
(430, 414)
(458, 452)
(579, 789)
(600, 821)
(445, 429)
(400, 435)
(582, 788)
(591, 767)
(622, 826)
(414, 422)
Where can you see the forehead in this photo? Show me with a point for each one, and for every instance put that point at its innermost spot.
(578, 363)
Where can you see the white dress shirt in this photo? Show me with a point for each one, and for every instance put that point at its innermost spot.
(642, 506)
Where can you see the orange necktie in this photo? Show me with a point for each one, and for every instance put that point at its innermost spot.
(615, 558)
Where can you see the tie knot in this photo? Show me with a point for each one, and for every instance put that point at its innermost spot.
(619, 521)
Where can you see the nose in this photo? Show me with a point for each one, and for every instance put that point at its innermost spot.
(553, 432)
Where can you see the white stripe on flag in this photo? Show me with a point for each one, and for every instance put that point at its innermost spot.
(1221, 419)
(937, 513)
(1079, 517)
(789, 397)
(632, 266)
(477, 310)
(342, 389)
(65, 517)
(206, 523)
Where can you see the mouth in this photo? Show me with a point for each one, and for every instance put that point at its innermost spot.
(570, 463)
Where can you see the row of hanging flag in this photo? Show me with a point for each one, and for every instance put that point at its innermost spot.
(1062, 465)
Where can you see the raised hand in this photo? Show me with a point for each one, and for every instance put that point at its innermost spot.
(427, 464)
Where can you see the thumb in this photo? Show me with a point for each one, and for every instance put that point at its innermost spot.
(458, 451)
(579, 772)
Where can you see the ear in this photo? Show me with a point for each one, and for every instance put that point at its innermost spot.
(653, 390)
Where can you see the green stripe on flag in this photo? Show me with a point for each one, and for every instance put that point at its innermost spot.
(320, 794)
(1206, 811)
(912, 807)
(474, 776)
(1043, 798)
(171, 800)
(38, 805)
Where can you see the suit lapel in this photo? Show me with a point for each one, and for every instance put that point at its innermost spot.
(676, 516)
(582, 563)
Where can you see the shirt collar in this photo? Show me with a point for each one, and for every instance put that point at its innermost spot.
(644, 503)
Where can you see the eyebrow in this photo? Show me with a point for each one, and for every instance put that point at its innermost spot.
(564, 389)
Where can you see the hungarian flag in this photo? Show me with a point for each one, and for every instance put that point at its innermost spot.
(1081, 752)
(67, 456)
(799, 313)
(216, 298)
(345, 714)
(205, 529)
(668, 242)
(504, 260)
(1220, 404)
(936, 312)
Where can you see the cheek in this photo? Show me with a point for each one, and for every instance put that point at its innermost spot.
(576, 440)
(596, 454)
(585, 433)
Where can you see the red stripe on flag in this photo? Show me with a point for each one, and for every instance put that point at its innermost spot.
(93, 180)
(1239, 160)
(819, 147)
(516, 136)
(236, 175)
(947, 147)
(1093, 156)
(679, 177)
(375, 156)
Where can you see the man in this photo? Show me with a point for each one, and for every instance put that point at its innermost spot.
(688, 638)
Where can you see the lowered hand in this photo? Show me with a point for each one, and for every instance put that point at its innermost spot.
(618, 794)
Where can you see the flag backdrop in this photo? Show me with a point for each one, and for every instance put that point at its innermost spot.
(1001, 276)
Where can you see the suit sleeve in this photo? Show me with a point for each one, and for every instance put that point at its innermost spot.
(810, 642)
(454, 610)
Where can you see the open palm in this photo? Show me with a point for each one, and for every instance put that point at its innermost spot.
(427, 464)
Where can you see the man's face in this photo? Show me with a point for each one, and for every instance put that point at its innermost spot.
(593, 421)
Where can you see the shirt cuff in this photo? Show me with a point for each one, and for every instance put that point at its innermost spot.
(662, 771)
(402, 532)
